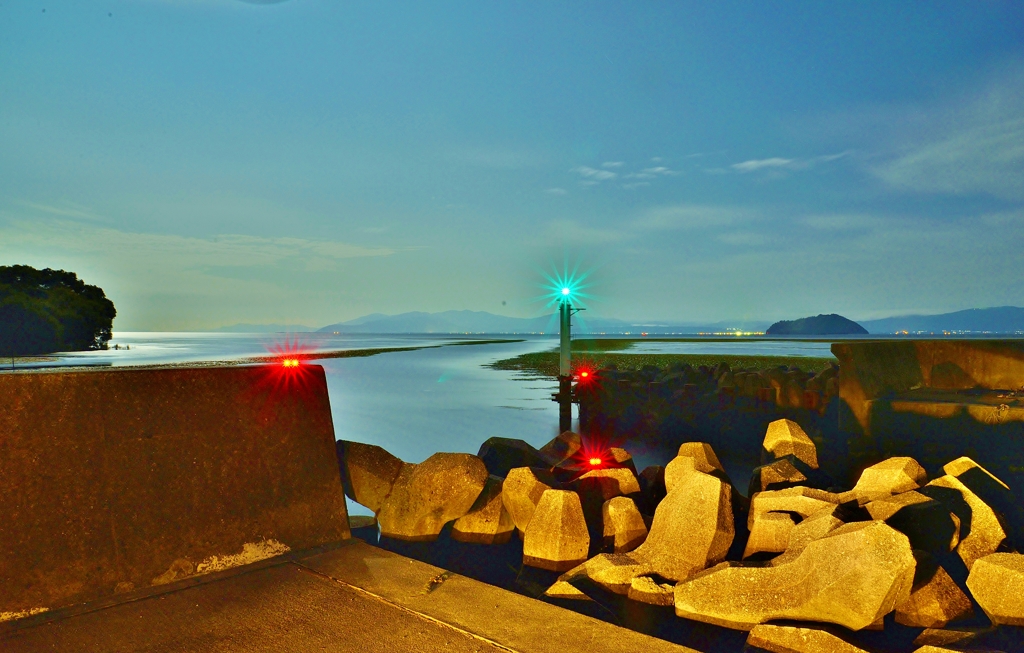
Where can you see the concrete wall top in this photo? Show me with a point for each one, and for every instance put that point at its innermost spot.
(117, 480)
(870, 369)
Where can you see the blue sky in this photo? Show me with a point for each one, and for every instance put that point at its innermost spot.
(209, 162)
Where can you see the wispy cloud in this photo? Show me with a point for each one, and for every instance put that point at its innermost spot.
(67, 210)
(594, 174)
(659, 170)
(760, 164)
(777, 163)
(166, 254)
(613, 164)
(556, 191)
(980, 149)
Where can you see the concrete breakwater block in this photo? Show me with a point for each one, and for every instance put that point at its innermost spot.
(428, 495)
(852, 577)
(557, 537)
(117, 480)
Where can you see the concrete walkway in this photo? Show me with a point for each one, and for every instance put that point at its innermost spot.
(355, 597)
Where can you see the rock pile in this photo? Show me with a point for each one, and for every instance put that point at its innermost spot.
(786, 387)
(929, 552)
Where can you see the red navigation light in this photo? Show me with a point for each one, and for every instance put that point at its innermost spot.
(584, 373)
(290, 362)
(595, 462)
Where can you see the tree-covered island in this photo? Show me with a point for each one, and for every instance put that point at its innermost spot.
(46, 311)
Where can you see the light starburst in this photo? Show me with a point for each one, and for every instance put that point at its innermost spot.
(569, 285)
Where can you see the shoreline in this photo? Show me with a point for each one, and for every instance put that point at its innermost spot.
(247, 360)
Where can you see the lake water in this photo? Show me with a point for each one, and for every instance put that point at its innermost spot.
(412, 403)
(739, 347)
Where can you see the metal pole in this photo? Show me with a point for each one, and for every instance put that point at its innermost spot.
(564, 368)
(564, 362)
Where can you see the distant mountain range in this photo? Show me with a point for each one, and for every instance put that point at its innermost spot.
(1001, 319)
(1004, 319)
(483, 322)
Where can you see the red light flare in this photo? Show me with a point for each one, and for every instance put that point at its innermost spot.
(284, 376)
(595, 454)
(585, 373)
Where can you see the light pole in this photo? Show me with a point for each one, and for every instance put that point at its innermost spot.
(564, 396)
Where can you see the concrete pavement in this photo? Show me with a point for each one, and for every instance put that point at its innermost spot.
(350, 597)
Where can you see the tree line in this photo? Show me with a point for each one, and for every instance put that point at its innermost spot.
(46, 311)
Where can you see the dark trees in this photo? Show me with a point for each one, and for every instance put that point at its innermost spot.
(43, 311)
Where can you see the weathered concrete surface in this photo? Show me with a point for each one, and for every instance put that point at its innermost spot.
(500, 455)
(997, 583)
(354, 598)
(113, 479)
(852, 577)
(770, 534)
(623, 525)
(789, 639)
(935, 599)
(804, 501)
(869, 370)
(647, 590)
(487, 521)
(556, 538)
(430, 494)
(784, 437)
(891, 476)
(693, 528)
(521, 492)
(613, 571)
(367, 472)
(516, 622)
(986, 532)
(561, 448)
(692, 456)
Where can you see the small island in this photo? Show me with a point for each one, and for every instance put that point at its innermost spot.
(46, 311)
(819, 325)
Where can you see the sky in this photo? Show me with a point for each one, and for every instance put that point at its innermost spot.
(210, 162)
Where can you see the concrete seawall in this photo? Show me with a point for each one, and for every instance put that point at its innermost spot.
(111, 481)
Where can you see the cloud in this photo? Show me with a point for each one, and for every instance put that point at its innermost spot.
(970, 141)
(594, 173)
(613, 164)
(556, 191)
(983, 152)
(69, 210)
(160, 258)
(659, 170)
(759, 164)
(640, 175)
